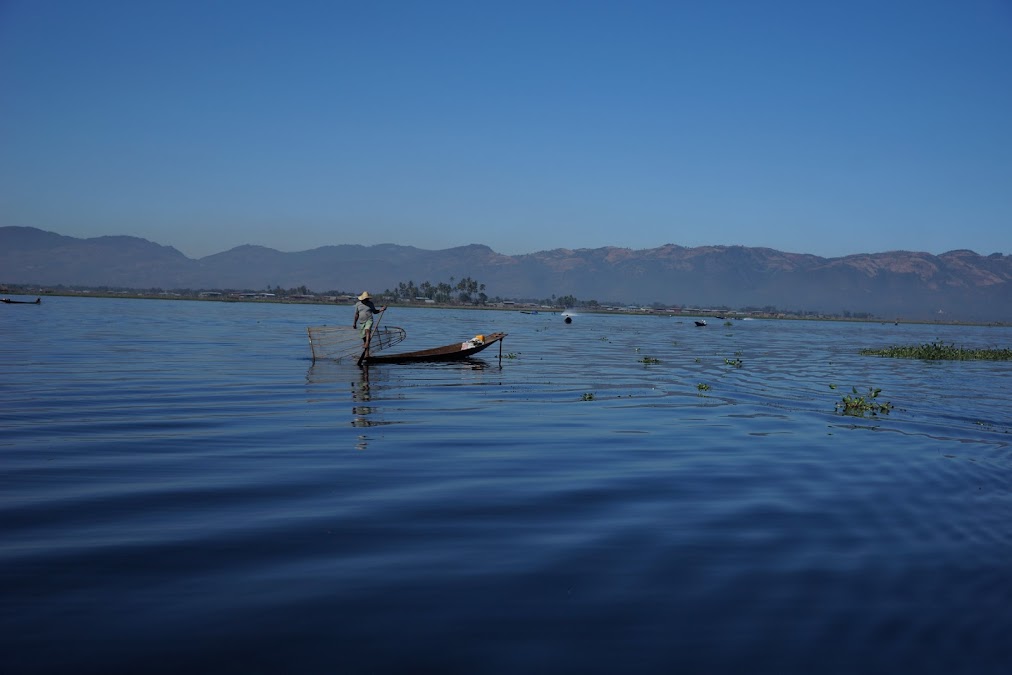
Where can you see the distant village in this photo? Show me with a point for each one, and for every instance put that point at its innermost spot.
(432, 296)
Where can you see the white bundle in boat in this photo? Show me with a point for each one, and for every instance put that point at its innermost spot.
(476, 341)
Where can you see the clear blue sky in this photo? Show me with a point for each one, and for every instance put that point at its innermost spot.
(817, 127)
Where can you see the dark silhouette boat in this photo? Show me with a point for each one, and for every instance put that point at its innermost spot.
(451, 352)
(36, 301)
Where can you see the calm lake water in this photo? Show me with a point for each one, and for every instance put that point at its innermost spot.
(183, 490)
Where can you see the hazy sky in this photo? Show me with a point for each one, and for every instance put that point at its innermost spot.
(817, 127)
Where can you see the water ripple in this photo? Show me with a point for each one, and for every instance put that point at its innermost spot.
(184, 489)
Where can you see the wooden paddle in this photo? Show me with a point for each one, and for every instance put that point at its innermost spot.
(372, 331)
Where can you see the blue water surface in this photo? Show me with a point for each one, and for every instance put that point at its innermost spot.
(185, 490)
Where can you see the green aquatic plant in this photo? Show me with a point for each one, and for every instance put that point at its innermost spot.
(737, 363)
(728, 323)
(649, 360)
(939, 351)
(702, 386)
(857, 406)
(510, 355)
(589, 396)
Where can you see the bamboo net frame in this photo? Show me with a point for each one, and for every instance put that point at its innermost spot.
(339, 342)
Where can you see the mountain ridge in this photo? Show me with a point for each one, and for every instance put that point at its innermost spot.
(955, 285)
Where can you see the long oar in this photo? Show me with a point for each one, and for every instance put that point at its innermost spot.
(372, 331)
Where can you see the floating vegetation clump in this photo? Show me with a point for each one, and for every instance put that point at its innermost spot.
(703, 386)
(649, 360)
(858, 406)
(589, 396)
(737, 363)
(939, 351)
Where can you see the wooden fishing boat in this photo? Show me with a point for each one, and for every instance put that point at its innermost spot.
(452, 352)
(36, 301)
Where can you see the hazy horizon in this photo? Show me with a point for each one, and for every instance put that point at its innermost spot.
(533, 251)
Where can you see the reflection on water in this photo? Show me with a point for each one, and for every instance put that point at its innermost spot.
(362, 381)
(360, 394)
(323, 375)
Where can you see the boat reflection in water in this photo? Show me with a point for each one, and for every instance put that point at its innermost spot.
(365, 386)
(331, 382)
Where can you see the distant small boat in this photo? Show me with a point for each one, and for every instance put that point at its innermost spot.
(700, 322)
(36, 301)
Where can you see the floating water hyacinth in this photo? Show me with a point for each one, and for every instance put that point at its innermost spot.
(858, 406)
(939, 351)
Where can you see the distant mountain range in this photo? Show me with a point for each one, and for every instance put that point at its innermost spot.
(955, 286)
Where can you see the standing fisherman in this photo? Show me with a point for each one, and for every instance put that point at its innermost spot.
(364, 311)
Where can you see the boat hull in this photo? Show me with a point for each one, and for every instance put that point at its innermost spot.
(451, 352)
